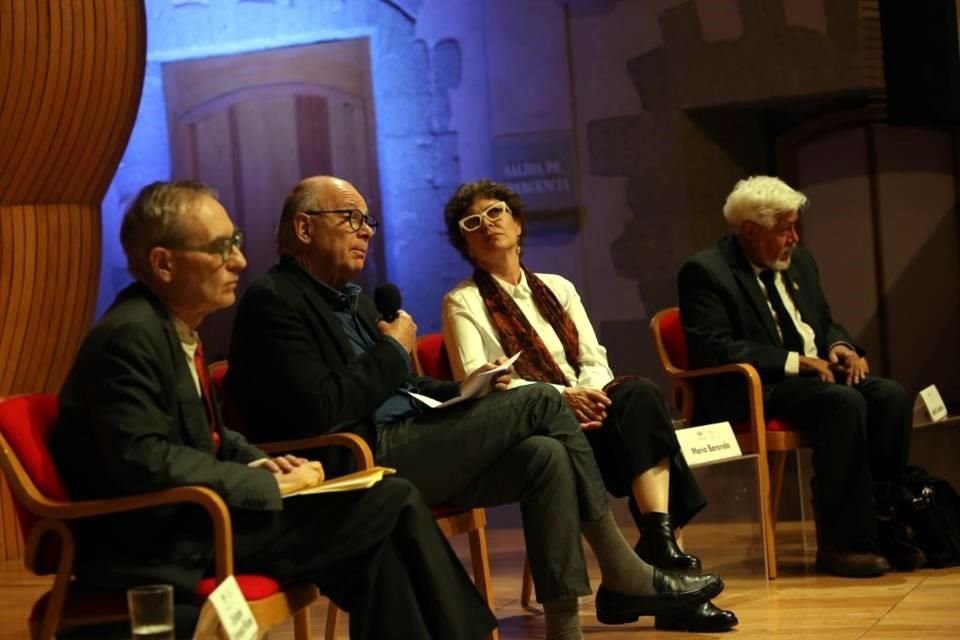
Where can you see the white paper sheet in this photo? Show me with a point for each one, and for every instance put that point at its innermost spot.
(472, 387)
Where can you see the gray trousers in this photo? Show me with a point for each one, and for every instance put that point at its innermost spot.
(521, 445)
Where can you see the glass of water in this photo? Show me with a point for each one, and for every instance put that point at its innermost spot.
(151, 612)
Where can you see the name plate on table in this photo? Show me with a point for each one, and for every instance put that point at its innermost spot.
(235, 615)
(929, 406)
(708, 443)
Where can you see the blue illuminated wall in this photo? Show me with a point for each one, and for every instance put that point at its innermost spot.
(417, 60)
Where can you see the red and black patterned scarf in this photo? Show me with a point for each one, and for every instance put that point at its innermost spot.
(516, 333)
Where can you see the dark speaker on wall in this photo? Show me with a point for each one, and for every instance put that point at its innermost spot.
(921, 60)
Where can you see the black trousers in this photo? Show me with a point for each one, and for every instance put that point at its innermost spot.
(377, 553)
(637, 434)
(861, 441)
(522, 445)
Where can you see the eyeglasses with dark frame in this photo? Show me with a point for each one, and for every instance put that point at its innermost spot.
(222, 247)
(355, 217)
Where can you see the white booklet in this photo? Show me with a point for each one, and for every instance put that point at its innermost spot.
(363, 479)
(470, 388)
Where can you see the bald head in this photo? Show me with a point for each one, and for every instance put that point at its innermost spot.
(325, 227)
(317, 193)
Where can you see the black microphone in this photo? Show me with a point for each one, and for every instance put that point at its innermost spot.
(388, 300)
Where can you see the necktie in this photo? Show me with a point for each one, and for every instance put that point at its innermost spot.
(203, 376)
(788, 328)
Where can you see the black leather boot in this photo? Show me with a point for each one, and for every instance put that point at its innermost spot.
(658, 546)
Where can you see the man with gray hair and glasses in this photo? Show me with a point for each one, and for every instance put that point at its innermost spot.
(755, 297)
(138, 414)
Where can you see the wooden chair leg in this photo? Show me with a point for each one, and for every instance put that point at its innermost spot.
(55, 602)
(301, 624)
(330, 631)
(766, 518)
(480, 558)
(778, 462)
(208, 624)
(526, 589)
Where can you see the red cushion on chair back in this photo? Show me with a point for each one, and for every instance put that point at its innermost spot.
(218, 371)
(25, 422)
(671, 334)
(432, 355)
(231, 417)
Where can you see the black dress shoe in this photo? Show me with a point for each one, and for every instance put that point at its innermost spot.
(896, 544)
(658, 545)
(673, 591)
(904, 556)
(705, 618)
(850, 564)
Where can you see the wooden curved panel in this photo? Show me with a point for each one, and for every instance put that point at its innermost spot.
(72, 74)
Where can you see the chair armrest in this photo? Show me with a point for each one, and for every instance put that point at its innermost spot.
(758, 423)
(51, 512)
(357, 445)
(744, 369)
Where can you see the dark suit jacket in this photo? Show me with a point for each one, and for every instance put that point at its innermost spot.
(726, 319)
(131, 421)
(292, 371)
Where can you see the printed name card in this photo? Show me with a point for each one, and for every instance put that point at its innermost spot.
(234, 612)
(708, 443)
(929, 406)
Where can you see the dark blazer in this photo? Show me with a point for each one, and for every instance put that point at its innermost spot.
(292, 370)
(726, 319)
(131, 421)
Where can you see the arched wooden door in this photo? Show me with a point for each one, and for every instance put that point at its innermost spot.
(254, 124)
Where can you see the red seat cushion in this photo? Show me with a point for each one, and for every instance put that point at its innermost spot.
(776, 424)
(444, 510)
(85, 602)
(253, 587)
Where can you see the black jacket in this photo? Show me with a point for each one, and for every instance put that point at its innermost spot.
(726, 319)
(292, 371)
(130, 422)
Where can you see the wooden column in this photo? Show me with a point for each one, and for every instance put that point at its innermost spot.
(71, 74)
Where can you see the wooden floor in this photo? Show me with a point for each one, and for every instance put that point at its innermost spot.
(799, 604)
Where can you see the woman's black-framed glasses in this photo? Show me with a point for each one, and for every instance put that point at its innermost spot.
(354, 217)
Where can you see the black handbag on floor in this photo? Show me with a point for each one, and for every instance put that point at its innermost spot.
(931, 508)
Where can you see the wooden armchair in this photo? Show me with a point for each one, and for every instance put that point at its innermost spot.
(452, 522)
(770, 440)
(45, 513)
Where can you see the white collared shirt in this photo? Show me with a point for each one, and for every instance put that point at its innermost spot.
(188, 342)
(472, 340)
(792, 366)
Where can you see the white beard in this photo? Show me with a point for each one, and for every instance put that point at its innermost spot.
(780, 265)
